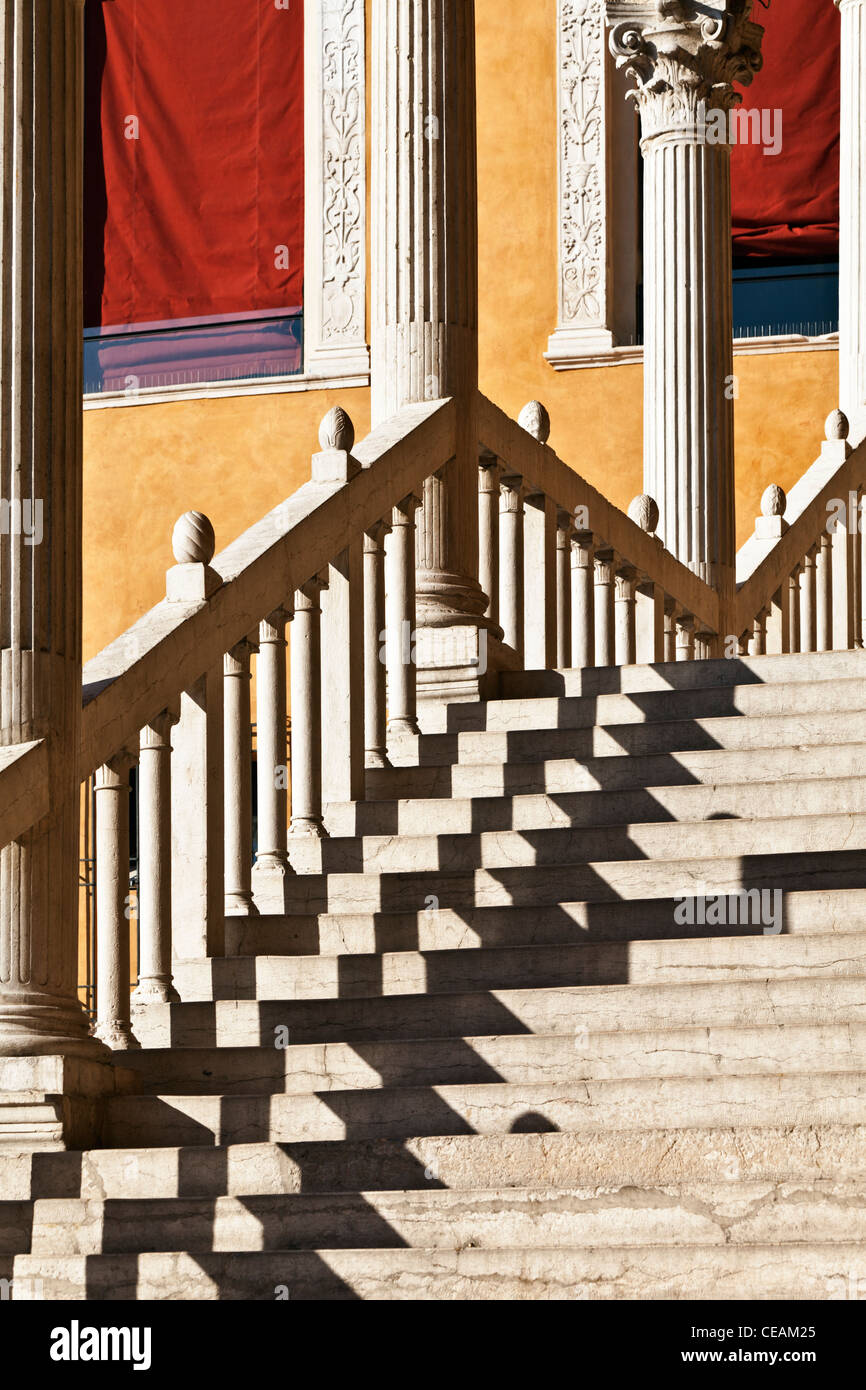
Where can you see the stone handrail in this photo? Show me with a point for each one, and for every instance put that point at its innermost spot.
(802, 571)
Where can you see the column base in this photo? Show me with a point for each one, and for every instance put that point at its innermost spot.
(458, 664)
(116, 1035)
(241, 905)
(272, 877)
(155, 989)
(49, 1103)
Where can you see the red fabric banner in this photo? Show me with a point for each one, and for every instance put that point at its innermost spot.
(787, 205)
(194, 165)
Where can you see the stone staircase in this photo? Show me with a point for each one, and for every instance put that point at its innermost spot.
(478, 1057)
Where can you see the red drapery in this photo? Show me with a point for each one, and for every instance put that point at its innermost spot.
(203, 213)
(787, 205)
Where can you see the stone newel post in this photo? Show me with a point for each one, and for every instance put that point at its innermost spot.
(425, 298)
(684, 58)
(41, 60)
(852, 218)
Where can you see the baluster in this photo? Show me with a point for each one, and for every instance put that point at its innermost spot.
(539, 585)
(793, 593)
(808, 632)
(605, 568)
(758, 635)
(511, 561)
(375, 737)
(272, 780)
(237, 787)
(563, 590)
(824, 594)
(626, 594)
(582, 600)
(842, 563)
(113, 1021)
(154, 863)
(650, 623)
(778, 623)
(489, 472)
(306, 666)
(197, 798)
(400, 619)
(342, 675)
(705, 643)
(672, 611)
(861, 521)
(686, 638)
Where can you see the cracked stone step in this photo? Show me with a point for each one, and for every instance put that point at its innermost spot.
(585, 881)
(531, 1059)
(465, 816)
(392, 854)
(495, 1107)
(721, 958)
(739, 1214)
(588, 1158)
(446, 929)
(807, 1271)
(555, 775)
(650, 707)
(564, 1009)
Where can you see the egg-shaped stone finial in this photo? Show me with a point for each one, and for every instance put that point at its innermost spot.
(837, 426)
(192, 540)
(337, 431)
(644, 512)
(536, 421)
(774, 501)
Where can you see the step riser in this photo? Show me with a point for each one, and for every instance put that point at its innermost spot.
(549, 1011)
(840, 913)
(604, 881)
(637, 963)
(818, 797)
(611, 1158)
(546, 848)
(736, 1215)
(825, 667)
(735, 734)
(712, 1272)
(557, 776)
(523, 1060)
(831, 1098)
(582, 712)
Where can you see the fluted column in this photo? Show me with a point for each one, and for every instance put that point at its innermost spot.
(852, 218)
(684, 64)
(425, 293)
(41, 55)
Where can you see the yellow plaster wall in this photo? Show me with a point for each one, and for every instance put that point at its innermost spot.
(236, 458)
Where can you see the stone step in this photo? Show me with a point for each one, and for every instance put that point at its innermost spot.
(601, 881)
(530, 1059)
(495, 1107)
(734, 733)
(588, 1158)
(446, 929)
(659, 706)
(796, 668)
(566, 1009)
(566, 775)
(727, 1214)
(804, 1272)
(416, 816)
(720, 958)
(510, 849)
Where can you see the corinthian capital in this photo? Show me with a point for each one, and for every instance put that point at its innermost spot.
(684, 56)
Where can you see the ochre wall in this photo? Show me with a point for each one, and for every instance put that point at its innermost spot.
(236, 458)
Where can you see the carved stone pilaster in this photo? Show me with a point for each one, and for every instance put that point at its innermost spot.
(596, 308)
(335, 334)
